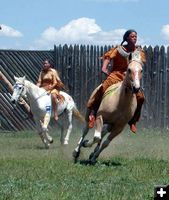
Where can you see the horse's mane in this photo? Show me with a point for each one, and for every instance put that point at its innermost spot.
(32, 85)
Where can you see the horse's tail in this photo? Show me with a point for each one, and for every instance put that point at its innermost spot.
(78, 115)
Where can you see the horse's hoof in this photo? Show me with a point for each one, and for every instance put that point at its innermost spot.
(84, 143)
(65, 143)
(92, 161)
(75, 155)
(91, 155)
(47, 146)
(97, 139)
(51, 141)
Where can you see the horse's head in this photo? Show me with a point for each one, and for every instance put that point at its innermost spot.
(134, 74)
(18, 89)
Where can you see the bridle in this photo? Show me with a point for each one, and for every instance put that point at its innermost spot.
(21, 88)
(22, 91)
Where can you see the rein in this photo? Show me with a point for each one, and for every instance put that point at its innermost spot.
(130, 88)
(43, 94)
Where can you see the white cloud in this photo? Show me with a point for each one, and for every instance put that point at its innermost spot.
(77, 31)
(80, 31)
(165, 31)
(9, 32)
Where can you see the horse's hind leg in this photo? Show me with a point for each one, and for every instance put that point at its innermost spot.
(62, 133)
(76, 151)
(97, 134)
(69, 130)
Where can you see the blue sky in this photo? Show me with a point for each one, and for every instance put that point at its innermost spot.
(39, 24)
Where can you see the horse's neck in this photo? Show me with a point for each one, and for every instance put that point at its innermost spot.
(33, 91)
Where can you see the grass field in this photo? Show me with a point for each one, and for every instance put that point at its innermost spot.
(127, 170)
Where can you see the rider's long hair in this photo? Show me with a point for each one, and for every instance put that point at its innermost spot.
(126, 34)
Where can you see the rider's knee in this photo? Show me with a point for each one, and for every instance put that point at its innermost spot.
(140, 97)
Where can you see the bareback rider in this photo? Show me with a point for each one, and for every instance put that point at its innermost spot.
(50, 81)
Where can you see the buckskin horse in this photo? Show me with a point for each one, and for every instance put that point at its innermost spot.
(116, 109)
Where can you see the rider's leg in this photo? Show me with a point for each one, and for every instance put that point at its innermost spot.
(96, 97)
(93, 105)
(140, 100)
(94, 102)
(54, 105)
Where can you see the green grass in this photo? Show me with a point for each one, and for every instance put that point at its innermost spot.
(127, 170)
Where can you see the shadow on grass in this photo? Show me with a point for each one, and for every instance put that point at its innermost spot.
(108, 163)
(41, 147)
(35, 147)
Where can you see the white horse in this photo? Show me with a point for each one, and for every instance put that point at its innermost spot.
(41, 108)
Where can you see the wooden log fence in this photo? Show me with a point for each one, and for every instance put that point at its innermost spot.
(80, 69)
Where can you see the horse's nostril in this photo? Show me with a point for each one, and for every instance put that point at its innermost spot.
(13, 101)
(136, 90)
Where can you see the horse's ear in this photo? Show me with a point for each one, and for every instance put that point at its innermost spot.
(23, 78)
(15, 78)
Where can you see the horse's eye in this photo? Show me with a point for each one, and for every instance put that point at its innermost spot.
(129, 70)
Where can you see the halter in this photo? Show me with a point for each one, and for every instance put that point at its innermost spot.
(131, 88)
(21, 88)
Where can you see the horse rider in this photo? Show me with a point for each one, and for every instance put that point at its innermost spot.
(118, 57)
(49, 80)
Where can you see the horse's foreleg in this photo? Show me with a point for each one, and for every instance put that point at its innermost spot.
(106, 129)
(69, 130)
(105, 144)
(40, 132)
(76, 151)
(49, 138)
(45, 124)
(95, 150)
(99, 150)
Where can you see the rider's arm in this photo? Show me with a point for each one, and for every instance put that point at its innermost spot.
(108, 59)
(105, 66)
(39, 81)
